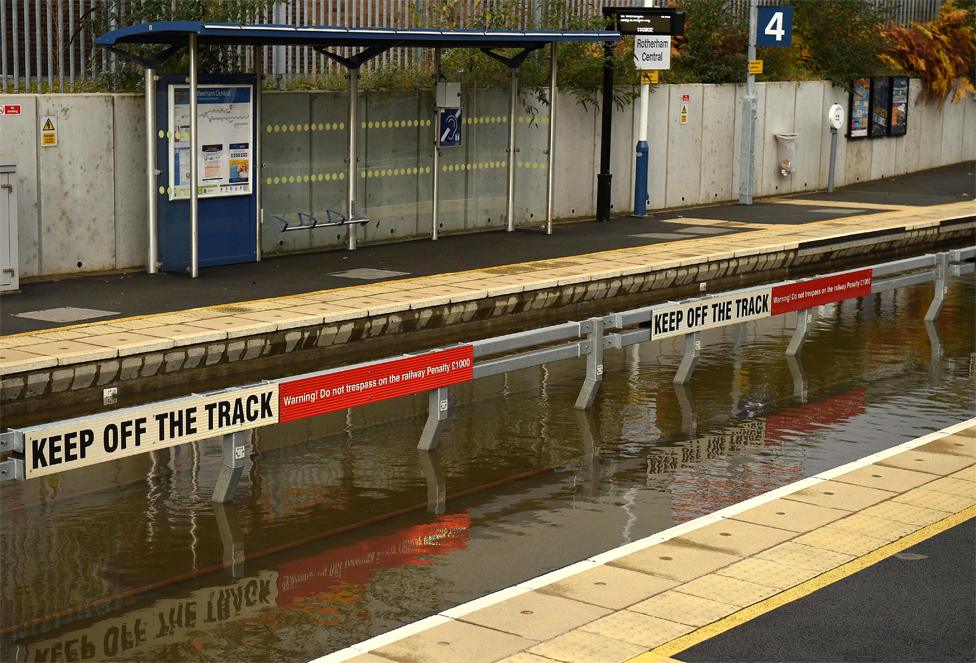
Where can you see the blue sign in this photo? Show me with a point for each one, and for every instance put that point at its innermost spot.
(775, 26)
(449, 127)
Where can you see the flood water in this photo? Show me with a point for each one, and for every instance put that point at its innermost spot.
(342, 530)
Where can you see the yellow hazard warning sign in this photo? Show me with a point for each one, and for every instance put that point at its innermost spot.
(683, 116)
(755, 66)
(49, 131)
(649, 77)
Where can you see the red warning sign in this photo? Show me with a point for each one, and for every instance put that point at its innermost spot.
(319, 394)
(814, 292)
(10, 109)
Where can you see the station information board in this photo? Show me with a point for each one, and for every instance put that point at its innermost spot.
(898, 117)
(859, 108)
(646, 21)
(880, 106)
(225, 126)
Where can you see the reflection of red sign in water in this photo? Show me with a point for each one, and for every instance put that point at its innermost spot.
(338, 390)
(357, 563)
(814, 292)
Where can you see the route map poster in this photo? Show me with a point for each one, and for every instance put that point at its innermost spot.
(899, 106)
(880, 106)
(860, 108)
(225, 120)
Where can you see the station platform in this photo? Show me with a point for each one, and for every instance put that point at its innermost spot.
(873, 560)
(152, 332)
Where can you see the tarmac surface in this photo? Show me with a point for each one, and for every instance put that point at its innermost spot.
(917, 605)
(138, 293)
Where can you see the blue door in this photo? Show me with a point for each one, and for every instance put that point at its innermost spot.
(226, 203)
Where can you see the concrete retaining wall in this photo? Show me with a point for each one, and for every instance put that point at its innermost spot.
(82, 204)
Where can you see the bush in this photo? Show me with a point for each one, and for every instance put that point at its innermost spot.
(941, 52)
(713, 49)
(838, 41)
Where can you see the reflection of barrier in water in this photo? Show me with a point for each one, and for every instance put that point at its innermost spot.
(430, 465)
(686, 403)
(799, 377)
(591, 451)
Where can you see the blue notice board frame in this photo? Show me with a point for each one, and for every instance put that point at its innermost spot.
(227, 224)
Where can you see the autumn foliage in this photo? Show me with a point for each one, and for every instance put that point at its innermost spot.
(941, 52)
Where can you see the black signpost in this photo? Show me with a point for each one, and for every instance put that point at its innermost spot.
(627, 21)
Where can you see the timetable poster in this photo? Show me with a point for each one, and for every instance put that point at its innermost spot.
(860, 108)
(880, 106)
(224, 141)
(899, 106)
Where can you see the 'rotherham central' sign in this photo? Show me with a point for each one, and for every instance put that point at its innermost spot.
(68, 445)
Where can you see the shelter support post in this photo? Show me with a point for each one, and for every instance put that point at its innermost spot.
(256, 165)
(594, 364)
(606, 127)
(804, 319)
(510, 186)
(435, 192)
(151, 209)
(437, 412)
(234, 451)
(231, 538)
(551, 145)
(194, 163)
(430, 465)
(690, 358)
(941, 289)
(353, 159)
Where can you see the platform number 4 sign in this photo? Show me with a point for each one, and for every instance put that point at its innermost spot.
(775, 26)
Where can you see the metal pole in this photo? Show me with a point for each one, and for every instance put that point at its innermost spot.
(689, 359)
(256, 165)
(643, 152)
(3, 51)
(833, 160)
(604, 177)
(151, 169)
(435, 193)
(352, 171)
(550, 150)
(194, 158)
(510, 188)
(747, 147)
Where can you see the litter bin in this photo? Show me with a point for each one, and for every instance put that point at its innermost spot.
(786, 153)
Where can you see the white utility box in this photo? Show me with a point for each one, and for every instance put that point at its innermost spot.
(448, 94)
(9, 269)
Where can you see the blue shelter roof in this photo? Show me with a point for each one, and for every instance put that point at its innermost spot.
(176, 32)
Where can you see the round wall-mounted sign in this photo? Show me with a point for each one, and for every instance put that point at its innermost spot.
(835, 116)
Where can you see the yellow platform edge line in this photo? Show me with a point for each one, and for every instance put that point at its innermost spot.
(669, 649)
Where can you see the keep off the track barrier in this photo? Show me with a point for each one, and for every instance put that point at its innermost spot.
(65, 445)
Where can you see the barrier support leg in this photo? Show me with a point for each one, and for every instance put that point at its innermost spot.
(235, 450)
(594, 365)
(430, 465)
(230, 537)
(803, 320)
(938, 297)
(690, 358)
(437, 411)
(591, 451)
(689, 420)
(935, 347)
(799, 378)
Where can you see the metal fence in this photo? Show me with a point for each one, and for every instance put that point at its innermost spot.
(48, 45)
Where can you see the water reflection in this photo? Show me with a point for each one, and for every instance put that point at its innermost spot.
(343, 530)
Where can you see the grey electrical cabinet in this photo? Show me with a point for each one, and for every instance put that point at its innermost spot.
(9, 270)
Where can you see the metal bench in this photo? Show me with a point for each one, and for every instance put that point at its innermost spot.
(334, 219)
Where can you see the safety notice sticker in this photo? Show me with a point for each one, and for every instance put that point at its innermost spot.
(337, 390)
